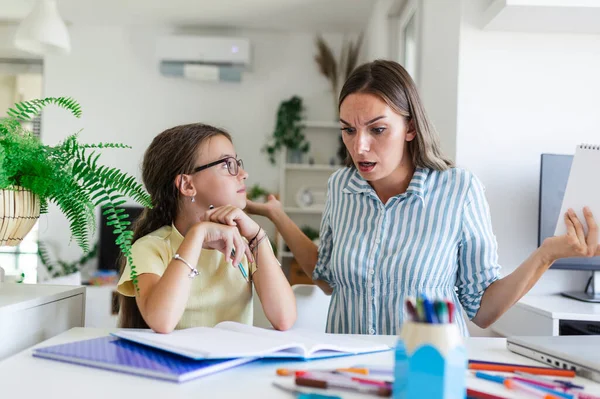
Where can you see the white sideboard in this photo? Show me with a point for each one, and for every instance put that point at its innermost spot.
(32, 313)
(547, 315)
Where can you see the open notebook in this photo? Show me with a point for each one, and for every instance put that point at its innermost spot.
(116, 354)
(582, 187)
(234, 340)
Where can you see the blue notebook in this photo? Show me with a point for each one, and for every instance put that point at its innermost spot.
(116, 354)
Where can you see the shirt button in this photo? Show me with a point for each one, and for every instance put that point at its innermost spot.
(371, 285)
(372, 331)
(377, 241)
(371, 272)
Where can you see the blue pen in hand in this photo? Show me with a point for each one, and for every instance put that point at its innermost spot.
(240, 266)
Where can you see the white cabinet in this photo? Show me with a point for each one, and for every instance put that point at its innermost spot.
(32, 313)
(101, 306)
(539, 315)
(303, 186)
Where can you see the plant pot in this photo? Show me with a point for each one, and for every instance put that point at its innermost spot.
(295, 156)
(69, 279)
(19, 210)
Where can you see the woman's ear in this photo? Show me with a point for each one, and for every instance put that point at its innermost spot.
(411, 132)
(185, 185)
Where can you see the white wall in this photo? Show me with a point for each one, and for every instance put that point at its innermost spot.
(438, 58)
(520, 95)
(377, 34)
(7, 92)
(438, 75)
(113, 73)
(28, 86)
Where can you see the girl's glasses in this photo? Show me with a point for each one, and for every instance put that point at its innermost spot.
(233, 165)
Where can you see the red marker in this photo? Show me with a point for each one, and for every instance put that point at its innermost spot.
(451, 308)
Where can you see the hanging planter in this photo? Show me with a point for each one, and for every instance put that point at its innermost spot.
(19, 210)
(67, 174)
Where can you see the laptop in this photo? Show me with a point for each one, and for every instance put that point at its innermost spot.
(580, 353)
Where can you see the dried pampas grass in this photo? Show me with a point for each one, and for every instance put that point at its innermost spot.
(329, 66)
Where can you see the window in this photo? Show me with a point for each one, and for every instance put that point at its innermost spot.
(410, 46)
(21, 80)
(406, 37)
(22, 261)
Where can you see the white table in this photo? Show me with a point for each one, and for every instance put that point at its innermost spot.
(32, 313)
(538, 315)
(29, 377)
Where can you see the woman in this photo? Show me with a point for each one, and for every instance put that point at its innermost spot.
(188, 275)
(401, 220)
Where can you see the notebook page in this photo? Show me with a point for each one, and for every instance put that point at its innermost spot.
(210, 343)
(313, 341)
(582, 187)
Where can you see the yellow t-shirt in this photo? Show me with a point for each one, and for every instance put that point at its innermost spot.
(219, 293)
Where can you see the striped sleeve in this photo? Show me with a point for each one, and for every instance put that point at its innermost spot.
(478, 251)
(322, 269)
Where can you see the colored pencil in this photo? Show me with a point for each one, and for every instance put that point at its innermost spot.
(512, 369)
(473, 394)
(471, 361)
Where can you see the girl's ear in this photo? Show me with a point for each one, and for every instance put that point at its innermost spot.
(411, 132)
(185, 185)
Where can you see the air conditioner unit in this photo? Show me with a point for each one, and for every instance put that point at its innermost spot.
(203, 58)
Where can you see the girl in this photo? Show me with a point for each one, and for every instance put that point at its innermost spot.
(401, 220)
(188, 248)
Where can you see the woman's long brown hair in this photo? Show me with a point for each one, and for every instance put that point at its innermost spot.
(171, 153)
(390, 81)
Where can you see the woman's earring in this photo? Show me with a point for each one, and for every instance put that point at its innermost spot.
(193, 199)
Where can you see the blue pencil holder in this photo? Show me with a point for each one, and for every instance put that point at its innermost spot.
(430, 362)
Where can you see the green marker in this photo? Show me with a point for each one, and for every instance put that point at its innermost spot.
(442, 311)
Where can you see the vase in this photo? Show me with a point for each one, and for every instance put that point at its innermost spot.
(295, 156)
(19, 211)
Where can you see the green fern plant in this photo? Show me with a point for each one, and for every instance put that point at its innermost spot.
(69, 175)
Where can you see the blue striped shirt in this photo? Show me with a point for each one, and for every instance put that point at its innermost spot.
(435, 239)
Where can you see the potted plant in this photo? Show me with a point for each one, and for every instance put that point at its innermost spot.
(257, 192)
(288, 132)
(67, 174)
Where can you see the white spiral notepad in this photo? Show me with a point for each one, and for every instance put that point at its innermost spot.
(583, 187)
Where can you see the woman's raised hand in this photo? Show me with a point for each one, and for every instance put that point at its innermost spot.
(575, 243)
(265, 209)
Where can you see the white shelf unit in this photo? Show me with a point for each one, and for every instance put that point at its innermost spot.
(323, 137)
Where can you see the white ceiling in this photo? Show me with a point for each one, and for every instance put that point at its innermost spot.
(296, 15)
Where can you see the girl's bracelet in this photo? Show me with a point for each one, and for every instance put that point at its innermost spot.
(194, 272)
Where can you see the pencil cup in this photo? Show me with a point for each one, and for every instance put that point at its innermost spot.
(430, 362)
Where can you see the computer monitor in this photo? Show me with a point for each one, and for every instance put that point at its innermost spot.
(109, 252)
(554, 175)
